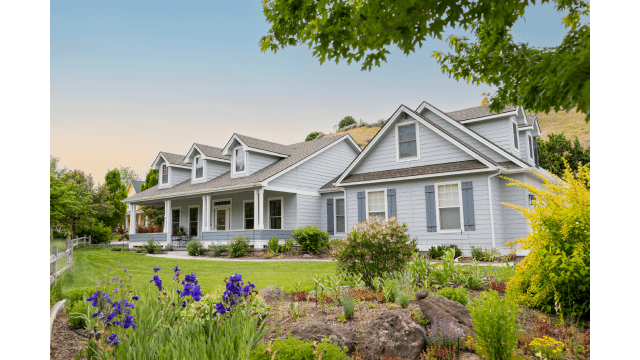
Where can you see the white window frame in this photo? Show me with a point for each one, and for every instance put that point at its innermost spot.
(404, 123)
(516, 138)
(366, 201)
(530, 147)
(244, 213)
(233, 162)
(335, 215)
(172, 218)
(269, 212)
(204, 168)
(459, 203)
(197, 219)
(229, 208)
(164, 166)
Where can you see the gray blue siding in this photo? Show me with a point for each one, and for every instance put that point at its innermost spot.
(216, 168)
(259, 235)
(309, 210)
(323, 207)
(497, 131)
(178, 175)
(142, 238)
(257, 161)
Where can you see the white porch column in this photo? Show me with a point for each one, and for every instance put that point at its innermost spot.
(261, 212)
(132, 224)
(256, 209)
(167, 219)
(206, 212)
(146, 220)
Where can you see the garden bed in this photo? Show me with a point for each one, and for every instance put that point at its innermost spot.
(66, 344)
(290, 255)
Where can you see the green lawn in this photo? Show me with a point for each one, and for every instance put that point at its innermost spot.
(91, 266)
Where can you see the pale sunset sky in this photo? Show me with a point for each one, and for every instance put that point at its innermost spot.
(130, 80)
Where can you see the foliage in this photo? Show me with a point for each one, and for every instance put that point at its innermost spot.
(296, 311)
(313, 135)
(473, 278)
(154, 213)
(403, 300)
(288, 245)
(447, 270)
(557, 268)
(310, 238)
(217, 249)
(77, 294)
(346, 121)
(455, 294)
(76, 314)
(548, 348)
(116, 192)
(239, 246)
(538, 79)
(442, 333)
(552, 152)
(494, 323)
(477, 254)
(150, 180)
(195, 248)
(438, 252)
(293, 348)
(374, 247)
(434, 352)
(274, 245)
(116, 248)
(99, 233)
(366, 295)
(128, 175)
(141, 229)
(348, 306)
(498, 286)
(153, 247)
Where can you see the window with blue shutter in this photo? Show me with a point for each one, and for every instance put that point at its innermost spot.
(467, 206)
(330, 216)
(430, 197)
(391, 203)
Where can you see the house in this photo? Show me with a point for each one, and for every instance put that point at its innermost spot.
(133, 188)
(438, 172)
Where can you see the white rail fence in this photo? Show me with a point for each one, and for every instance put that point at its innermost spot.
(54, 272)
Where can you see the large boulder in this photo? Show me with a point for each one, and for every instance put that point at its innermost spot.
(316, 330)
(421, 294)
(439, 307)
(393, 333)
(272, 294)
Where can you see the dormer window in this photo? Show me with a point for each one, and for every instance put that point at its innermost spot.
(530, 147)
(515, 134)
(407, 141)
(239, 160)
(164, 171)
(198, 167)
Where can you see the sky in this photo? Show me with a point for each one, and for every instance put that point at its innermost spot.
(131, 79)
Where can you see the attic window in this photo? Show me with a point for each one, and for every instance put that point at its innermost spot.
(530, 147)
(407, 137)
(239, 158)
(515, 134)
(199, 170)
(165, 174)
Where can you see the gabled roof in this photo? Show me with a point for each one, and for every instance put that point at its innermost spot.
(172, 159)
(299, 153)
(136, 184)
(477, 112)
(210, 152)
(258, 145)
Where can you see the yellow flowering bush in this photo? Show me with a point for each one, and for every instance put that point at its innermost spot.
(547, 348)
(556, 273)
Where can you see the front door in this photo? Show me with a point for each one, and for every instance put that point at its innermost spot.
(221, 218)
(193, 222)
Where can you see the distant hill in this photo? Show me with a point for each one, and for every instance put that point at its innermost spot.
(571, 123)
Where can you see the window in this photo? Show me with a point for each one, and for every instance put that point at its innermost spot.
(407, 135)
(239, 157)
(199, 167)
(248, 215)
(339, 211)
(193, 222)
(165, 174)
(448, 201)
(175, 221)
(530, 147)
(515, 134)
(222, 203)
(377, 203)
(275, 214)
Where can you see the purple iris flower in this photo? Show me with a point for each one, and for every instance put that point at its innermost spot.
(156, 269)
(135, 297)
(158, 282)
(113, 339)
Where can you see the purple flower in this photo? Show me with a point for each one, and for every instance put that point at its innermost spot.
(236, 277)
(125, 269)
(101, 282)
(156, 269)
(113, 339)
(176, 269)
(128, 321)
(130, 276)
(158, 282)
(97, 287)
(184, 304)
(135, 297)
(115, 291)
(110, 267)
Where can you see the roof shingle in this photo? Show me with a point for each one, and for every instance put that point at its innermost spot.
(475, 112)
(211, 151)
(415, 171)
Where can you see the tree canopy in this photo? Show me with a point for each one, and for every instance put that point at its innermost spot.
(154, 213)
(346, 121)
(312, 136)
(552, 152)
(116, 192)
(127, 175)
(539, 79)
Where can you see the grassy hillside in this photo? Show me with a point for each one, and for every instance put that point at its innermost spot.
(571, 123)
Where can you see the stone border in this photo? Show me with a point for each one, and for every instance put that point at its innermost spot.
(54, 312)
(126, 243)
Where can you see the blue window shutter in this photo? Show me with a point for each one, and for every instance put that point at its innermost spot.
(391, 203)
(361, 207)
(430, 197)
(330, 216)
(467, 206)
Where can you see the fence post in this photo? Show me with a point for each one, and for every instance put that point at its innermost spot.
(89, 239)
(69, 251)
(54, 264)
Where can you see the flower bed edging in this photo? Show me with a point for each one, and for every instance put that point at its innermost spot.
(54, 311)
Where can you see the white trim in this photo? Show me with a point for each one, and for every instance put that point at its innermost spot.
(415, 177)
(227, 207)
(353, 142)
(194, 179)
(459, 183)
(393, 118)
(233, 162)
(366, 201)
(204, 157)
(160, 182)
(281, 212)
(525, 128)
(335, 215)
(267, 152)
(244, 213)
(417, 127)
(261, 209)
(228, 188)
(199, 236)
(225, 150)
(515, 143)
(471, 133)
(490, 117)
(293, 191)
(530, 148)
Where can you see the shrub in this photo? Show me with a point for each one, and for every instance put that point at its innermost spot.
(217, 249)
(116, 248)
(346, 121)
(59, 235)
(455, 294)
(195, 248)
(375, 247)
(76, 311)
(153, 247)
(288, 245)
(313, 136)
(78, 294)
(293, 348)
(100, 234)
(438, 252)
(403, 300)
(310, 238)
(494, 323)
(477, 254)
(548, 347)
(239, 246)
(149, 229)
(274, 245)
(348, 306)
(557, 268)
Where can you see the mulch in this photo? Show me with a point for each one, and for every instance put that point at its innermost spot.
(66, 344)
(286, 256)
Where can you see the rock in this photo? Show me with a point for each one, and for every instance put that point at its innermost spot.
(440, 308)
(421, 294)
(272, 293)
(306, 255)
(393, 333)
(469, 356)
(316, 330)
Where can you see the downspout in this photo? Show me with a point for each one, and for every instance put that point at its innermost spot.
(493, 231)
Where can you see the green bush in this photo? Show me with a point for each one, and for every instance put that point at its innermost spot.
(346, 121)
(494, 322)
(312, 136)
(195, 248)
(375, 247)
(294, 348)
(274, 245)
(116, 248)
(455, 294)
(288, 245)
(239, 246)
(438, 252)
(477, 254)
(217, 249)
(310, 238)
(59, 235)
(78, 294)
(153, 247)
(348, 306)
(76, 311)
(100, 234)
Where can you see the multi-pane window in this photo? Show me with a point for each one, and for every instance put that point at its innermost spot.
(222, 203)
(248, 215)
(239, 159)
(175, 221)
(407, 141)
(165, 174)
(275, 214)
(376, 203)
(515, 134)
(340, 224)
(193, 221)
(199, 167)
(449, 206)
